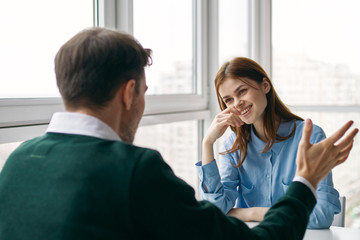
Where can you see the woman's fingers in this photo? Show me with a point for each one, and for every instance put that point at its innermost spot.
(228, 117)
(231, 110)
(228, 122)
(233, 114)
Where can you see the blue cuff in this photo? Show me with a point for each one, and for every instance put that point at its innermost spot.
(209, 176)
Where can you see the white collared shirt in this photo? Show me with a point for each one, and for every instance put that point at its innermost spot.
(81, 124)
(307, 183)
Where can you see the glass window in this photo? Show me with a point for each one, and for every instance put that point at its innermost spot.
(316, 51)
(316, 62)
(168, 30)
(346, 177)
(233, 29)
(178, 144)
(5, 151)
(32, 33)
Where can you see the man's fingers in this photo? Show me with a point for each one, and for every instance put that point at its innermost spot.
(348, 139)
(305, 139)
(341, 160)
(339, 133)
(344, 152)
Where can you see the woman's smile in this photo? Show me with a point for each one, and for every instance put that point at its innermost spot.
(245, 111)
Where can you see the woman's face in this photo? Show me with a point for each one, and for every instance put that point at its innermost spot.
(250, 101)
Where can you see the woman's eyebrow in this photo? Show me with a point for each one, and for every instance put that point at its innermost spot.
(235, 91)
(238, 88)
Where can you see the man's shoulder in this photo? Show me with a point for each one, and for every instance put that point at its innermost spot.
(86, 145)
(29, 144)
(124, 148)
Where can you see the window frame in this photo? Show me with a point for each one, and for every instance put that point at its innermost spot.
(159, 104)
(266, 52)
(24, 118)
(318, 108)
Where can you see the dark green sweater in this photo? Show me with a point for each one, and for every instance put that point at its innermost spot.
(62, 186)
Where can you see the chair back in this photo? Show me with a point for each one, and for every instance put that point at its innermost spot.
(339, 219)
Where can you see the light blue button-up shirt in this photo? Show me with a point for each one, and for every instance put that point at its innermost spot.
(264, 177)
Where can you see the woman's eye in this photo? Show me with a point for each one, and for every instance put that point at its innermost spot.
(242, 91)
(227, 100)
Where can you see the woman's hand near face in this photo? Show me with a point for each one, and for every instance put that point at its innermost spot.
(228, 117)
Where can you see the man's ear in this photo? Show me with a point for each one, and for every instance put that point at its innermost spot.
(266, 85)
(128, 93)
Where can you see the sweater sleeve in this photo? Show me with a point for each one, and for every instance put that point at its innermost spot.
(164, 207)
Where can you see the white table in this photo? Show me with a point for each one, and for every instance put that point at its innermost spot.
(334, 233)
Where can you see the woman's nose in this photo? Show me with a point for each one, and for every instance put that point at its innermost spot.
(239, 103)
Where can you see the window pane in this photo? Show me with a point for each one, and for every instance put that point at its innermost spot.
(346, 176)
(168, 30)
(177, 143)
(32, 33)
(316, 51)
(5, 151)
(233, 29)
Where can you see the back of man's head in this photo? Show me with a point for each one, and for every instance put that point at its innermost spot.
(92, 65)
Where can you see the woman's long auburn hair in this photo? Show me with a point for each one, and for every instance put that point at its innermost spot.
(240, 68)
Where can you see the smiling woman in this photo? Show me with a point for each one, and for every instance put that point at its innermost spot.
(259, 155)
(248, 99)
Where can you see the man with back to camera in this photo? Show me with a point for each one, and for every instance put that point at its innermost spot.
(84, 179)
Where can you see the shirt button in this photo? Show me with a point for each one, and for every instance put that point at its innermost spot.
(268, 176)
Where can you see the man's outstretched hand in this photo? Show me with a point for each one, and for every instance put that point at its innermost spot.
(315, 161)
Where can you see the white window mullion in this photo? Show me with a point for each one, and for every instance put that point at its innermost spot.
(260, 32)
(211, 33)
(124, 16)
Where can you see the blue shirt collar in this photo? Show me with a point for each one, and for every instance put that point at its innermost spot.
(284, 130)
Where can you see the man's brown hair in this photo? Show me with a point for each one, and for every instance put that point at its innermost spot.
(92, 65)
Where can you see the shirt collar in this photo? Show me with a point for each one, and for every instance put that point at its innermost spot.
(284, 130)
(81, 124)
